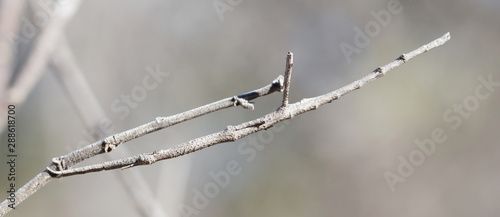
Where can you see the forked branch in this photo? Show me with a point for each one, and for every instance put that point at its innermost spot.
(61, 166)
(234, 133)
(111, 142)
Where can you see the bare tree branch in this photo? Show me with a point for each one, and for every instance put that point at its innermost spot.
(111, 142)
(31, 72)
(60, 167)
(233, 133)
(288, 78)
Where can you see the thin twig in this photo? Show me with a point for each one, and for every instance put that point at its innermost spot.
(91, 114)
(27, 78)
(288, 78)
(231, 134)
(99, 147)
(250, 127)
(111, 142)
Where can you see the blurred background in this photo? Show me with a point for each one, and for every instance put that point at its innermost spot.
(79, 71)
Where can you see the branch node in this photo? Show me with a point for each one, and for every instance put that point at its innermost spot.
(141, 160)
(379, 72)
(60, 166)
(403, 57)
(59, 162)
(243, 103)
(53, 173)
(230, 128)
(109, 147)
(278, 83)
(264, 126)
(159, 119)
(108, 144)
